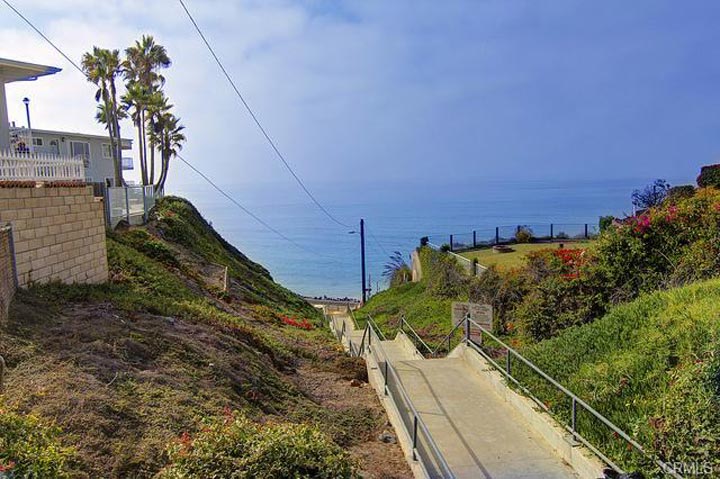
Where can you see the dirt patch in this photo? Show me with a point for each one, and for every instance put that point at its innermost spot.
(366, 416)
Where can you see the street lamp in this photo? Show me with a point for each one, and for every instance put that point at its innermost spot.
(26, 100)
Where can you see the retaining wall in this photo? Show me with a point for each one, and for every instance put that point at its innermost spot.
(58, 232)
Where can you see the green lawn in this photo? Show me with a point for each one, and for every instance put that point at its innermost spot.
(488, 257)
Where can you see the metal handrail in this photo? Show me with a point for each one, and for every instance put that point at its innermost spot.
(447, 338)
(417, 420)
(575, 399)
(460, 257)
(403, 323)
(376, 327)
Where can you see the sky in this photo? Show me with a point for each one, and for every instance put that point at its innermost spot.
(405, 90)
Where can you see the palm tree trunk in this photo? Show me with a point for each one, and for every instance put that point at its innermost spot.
(116, 145)
(152, 160)
(163, 174)
(144, 147)
(143, 172)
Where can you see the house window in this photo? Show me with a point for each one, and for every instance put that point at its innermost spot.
(37, 141)
(107, 151)
(80, 149)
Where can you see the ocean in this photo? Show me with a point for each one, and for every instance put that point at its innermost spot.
(397, 215)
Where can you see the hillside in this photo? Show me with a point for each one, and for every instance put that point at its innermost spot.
(152, 373)
(652, 367)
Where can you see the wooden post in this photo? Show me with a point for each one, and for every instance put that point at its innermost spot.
(225, 280)
(497, 235)
(586, 231)
(552, 231)
(474, 239)
(451, 242)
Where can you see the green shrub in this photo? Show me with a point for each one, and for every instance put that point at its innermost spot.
(445, 248)
(234, 446)
(524, 234)
(677, 193)
(606, 222)
(445, 277)
(709, 176)
(30, 448)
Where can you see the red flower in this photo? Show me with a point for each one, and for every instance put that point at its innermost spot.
(304, 324)
(7, 467)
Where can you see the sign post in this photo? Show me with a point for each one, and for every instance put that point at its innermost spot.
(482, 314)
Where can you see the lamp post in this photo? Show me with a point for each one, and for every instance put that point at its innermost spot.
(26, 100)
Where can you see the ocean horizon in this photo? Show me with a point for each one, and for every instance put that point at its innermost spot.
(325, 259)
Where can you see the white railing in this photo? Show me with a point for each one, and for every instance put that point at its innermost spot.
(39, 167)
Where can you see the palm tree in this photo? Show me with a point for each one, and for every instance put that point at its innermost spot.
(102, 67)
(156, 106)
(396, 270)
(143, 61)
(169, 135)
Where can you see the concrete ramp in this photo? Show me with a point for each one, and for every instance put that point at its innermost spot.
(479, 433)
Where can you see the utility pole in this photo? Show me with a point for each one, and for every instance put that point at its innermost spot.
(362, 255)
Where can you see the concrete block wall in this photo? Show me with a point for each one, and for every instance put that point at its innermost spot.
(58, 232)
(7, 271)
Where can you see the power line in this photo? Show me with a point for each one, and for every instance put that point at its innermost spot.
(248, 212)
(43, 35)
(243, 208)
(378, 243)
(257, 122)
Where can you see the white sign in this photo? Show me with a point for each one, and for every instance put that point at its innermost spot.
(480, 313)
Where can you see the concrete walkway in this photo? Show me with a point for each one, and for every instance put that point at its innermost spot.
(478, 433)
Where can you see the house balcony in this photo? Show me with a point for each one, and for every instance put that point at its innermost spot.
(23, 162)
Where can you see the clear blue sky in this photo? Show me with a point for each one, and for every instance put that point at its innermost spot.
(414, 90)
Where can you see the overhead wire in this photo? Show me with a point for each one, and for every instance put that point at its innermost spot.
(255, 119)
(250, 213)
(205, 177)
(37, 30)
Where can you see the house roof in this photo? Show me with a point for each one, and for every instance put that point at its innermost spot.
(125, 141)
(13, 70)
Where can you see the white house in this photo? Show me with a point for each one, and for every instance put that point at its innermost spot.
(93, 150)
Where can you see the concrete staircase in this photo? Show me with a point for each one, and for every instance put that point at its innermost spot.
(467, 420)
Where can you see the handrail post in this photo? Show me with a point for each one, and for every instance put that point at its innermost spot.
(574, 414)
(507, 363)
(386, 377)
(414, 446)
(467, 328)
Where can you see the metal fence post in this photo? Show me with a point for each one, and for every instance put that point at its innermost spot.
(586, 231)
(474, 239)
(144, 206)
(552, 228)
(497, 235)
(451, 242)
(127, 204)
